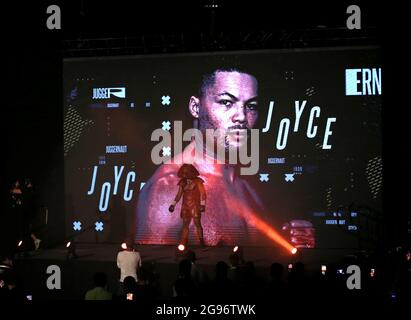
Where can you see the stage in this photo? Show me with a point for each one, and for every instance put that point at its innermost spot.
(77, 273)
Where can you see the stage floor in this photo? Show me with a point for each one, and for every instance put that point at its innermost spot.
(260, 256)
(77, 274)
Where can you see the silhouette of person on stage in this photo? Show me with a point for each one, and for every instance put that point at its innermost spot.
(191, 189)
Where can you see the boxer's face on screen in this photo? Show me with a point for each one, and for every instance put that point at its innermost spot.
(230, 104)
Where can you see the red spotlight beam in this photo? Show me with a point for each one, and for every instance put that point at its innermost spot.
(270, 232)
(264, 227)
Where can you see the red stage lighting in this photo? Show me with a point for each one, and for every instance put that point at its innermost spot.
(254, 219)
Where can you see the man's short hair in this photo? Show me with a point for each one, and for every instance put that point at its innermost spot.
(131, 246)
(129, 284)
(100, 279)
(209, 78)
(276, 269)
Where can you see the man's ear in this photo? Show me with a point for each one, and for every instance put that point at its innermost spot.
(194, 106)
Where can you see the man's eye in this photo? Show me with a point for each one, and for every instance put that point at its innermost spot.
(252, 106)
(225, 102)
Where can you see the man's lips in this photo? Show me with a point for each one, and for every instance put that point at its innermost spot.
(238, 135)
(237, 130)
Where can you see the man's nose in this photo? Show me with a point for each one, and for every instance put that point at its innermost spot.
(239, 114)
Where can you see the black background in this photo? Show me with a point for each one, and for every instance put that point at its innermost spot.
(32, 77)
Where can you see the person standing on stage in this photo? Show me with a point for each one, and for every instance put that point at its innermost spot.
(128, 261)
(191, 188)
